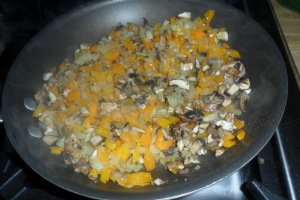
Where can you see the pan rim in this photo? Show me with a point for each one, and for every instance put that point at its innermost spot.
(176, 192)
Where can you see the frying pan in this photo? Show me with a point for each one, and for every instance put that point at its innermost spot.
(264, 65)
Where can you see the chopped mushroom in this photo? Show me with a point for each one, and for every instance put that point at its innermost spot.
(47, 76)
(71, 143)
(212, 102)
(202, 151)
(66, 92)
(185, 15)
(149, 35)
(186, 66)
(175, 166)
(223, 35)
(193, 114)
(82, 166)
(211, 131)
(162, 43)
(248, 91)
(191, 160)
(158, 181)
(84, 111)
(196, 146)
(180, 83)
(205, 68)
(244, 85)
(225, 125)
(210, 139)
(242, 102)
(226, 102)
(197, 64)
(52, 97)
(180, 145)
(219, 152)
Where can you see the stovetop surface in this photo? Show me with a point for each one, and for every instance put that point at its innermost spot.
(273, 174)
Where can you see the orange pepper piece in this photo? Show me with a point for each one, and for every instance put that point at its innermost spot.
(73, 95)
(229, 143)
(123, 152)
(129, 44)
(209, 15)
(93, 108)
(118, 69)
(239, 124)
(149, 160)
(240, 134)
(197, 34)
(135, 179)
(161, 143)
(112, 55)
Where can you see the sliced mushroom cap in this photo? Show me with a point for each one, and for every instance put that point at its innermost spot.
(222, 89)
(180, 83)
(217, 98)
(229, 117)
(242, 101)
(196, 146)
(235, 70)
(71, 143)
(219, 152)
(175, 166)
(212, 102)
(191, 160)
(82, 166)
(244, 84)
(193, 114)
(212, 131)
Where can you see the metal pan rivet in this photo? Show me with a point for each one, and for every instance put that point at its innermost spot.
(30, 104)
(34, 132)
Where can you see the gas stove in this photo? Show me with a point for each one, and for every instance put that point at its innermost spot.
(272, 174)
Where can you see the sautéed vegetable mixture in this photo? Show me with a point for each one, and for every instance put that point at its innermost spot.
(145, 96)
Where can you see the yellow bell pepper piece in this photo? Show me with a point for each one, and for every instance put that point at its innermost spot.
(104, 175)
(56, 150)
(240, 134)
(149, 160)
